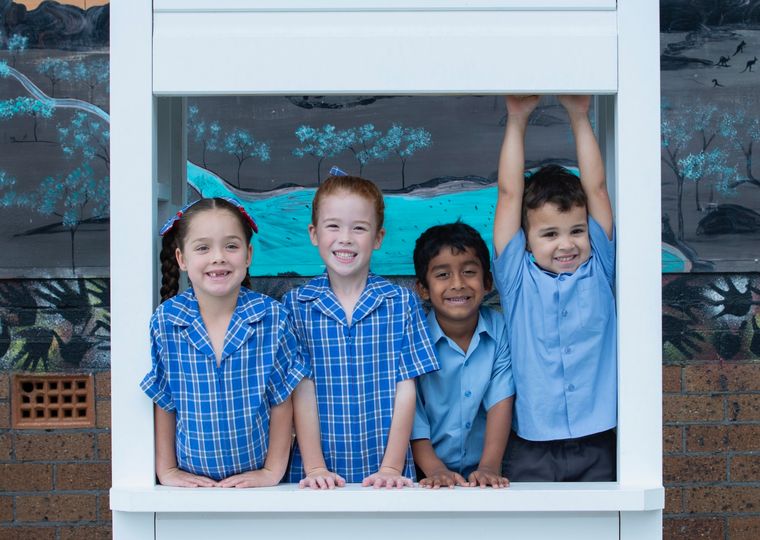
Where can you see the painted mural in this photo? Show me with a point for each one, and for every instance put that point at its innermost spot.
(434, 157)
(710, 127)
(711, 317)
(54, 138)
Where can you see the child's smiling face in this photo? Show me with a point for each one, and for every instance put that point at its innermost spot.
(455, 287)
(215, 254)
(558, 240)
(346, 233)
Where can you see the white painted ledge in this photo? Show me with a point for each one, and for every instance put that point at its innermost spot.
(288, 498)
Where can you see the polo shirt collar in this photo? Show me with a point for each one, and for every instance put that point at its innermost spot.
(436, 333)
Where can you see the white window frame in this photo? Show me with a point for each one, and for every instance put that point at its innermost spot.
(164, 50)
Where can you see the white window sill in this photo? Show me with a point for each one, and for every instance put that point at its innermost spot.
(288, 498)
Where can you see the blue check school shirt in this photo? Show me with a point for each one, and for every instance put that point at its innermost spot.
(452, 403)
(222, 413)
(562, 332)
(356, 367)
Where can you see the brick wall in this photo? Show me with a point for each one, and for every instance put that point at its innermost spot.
(711, 407)
(54, 483)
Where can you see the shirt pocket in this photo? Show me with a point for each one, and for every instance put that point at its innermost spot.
(593, 298)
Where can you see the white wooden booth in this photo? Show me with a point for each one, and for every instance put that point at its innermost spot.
(163, 50)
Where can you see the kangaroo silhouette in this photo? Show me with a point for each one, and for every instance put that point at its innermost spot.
(749, 65)
(723, 62)
(740, 48)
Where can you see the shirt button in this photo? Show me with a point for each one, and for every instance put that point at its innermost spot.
(561, 278)
(468, 425)
(466, 363)
(467, 393)
(564, 313)
(568, 350)
(571, 387)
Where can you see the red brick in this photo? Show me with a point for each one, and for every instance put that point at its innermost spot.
(745, 468)
(103, 384)
(690, 529)
(717, 500)
(100, 532)
(745, 407)
(673, 500)
(71, 476)
(687, 469)
(707, 438)
(671, 379)
(692, 408)
(6, 509)
(103, 413)
(27, 533)
(744, 438)
(723, 377)
(5, 386)
(104, 507)
(55, 446)
(26, 477)
(104, 446)
(744, 528)
(672, 439)
(56, 508)
(5, 415)
(6, 446)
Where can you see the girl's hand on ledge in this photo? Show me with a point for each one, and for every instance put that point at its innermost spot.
(262, 478)
(321, 478)
(387, 477)
(176, 477)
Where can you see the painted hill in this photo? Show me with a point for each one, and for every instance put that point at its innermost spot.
(57, 26)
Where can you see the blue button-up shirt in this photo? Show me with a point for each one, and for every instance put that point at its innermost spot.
(222, 412)
(452, 403)
(562, 332)
(356, 368)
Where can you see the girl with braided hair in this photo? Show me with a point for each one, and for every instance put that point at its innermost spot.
(224, 358)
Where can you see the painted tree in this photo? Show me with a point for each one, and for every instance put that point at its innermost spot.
(362, 142)
(26, 106)
(56, 70)
(686, 136)
(404, 142)
(86, 138)
(320, 143)
(742, 130)
(76, 198)
(241, 144)
(17, 44)
(92, 74)
(208, 135)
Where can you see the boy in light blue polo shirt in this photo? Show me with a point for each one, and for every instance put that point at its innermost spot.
(556, 278)
(464, 410)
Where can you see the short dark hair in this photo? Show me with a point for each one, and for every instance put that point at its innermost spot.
(459, 237)
(552, 184)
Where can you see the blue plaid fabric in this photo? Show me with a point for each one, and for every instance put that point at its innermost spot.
(356, 367)
(222, 413)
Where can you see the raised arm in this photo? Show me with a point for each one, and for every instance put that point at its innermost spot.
(512, 170)
(590, 161)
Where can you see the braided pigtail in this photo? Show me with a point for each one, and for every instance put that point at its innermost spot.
(169, 267)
